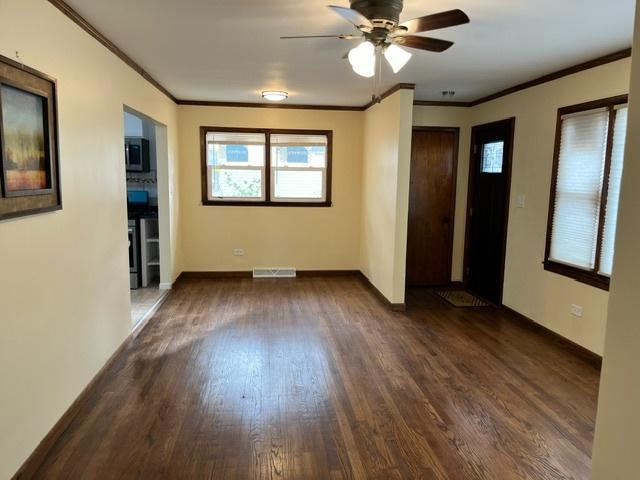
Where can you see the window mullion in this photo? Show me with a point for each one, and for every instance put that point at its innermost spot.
(267, 169)
(605, 186)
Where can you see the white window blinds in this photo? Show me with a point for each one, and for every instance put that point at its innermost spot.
(292, 140)
(581, 163)
(236, 138)
(613, 194)
(588, 173)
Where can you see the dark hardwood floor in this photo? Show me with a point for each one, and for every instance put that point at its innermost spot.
(315, 378)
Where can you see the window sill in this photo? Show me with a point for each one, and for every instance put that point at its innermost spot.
(589, 278)
(231, 203)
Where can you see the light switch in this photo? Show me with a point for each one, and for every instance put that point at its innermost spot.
(520, 201)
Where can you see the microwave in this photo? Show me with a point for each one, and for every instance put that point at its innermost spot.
(136, 154)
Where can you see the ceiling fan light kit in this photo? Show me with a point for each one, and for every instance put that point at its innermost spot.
(379, 27)
(397, 57)
(363, 59)
(274, 95)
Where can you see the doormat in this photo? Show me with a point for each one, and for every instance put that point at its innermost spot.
(461, 298)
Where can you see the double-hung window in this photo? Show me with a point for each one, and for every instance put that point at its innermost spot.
(585, 190)
(266, 167)
(236, 166)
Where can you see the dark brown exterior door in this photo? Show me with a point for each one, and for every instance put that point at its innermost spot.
(434, 157)
(487, 215)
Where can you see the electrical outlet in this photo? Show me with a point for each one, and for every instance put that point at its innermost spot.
(238, 252)
(576, 310)
(520, 201)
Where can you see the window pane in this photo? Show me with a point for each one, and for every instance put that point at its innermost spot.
(613, 194)
(298, 184)
(237, 183)
(236, 163)
(492, 155)
(221, 155)
(298, 167)
(300, 156)
(578, 188)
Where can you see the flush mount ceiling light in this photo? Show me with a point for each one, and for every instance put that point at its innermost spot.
(274, 95)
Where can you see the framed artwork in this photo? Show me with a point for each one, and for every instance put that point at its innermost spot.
(29, 164)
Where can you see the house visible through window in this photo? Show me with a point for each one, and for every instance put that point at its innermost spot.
(586, 189)
(266, 167)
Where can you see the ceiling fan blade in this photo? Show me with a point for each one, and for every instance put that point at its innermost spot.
(422, 43)
(341, 37)
(435, 21)
(352, 16)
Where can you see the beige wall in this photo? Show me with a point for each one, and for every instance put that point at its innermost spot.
(615, 454)
(385, 193)
(365, 229)
(307, 238)
(544, 296)
(540, 295)
(430, 116)
(64, 283)
(74, 262)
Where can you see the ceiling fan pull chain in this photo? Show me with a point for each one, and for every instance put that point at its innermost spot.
(378, 96)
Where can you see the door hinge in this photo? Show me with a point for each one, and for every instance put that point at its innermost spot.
(471, 212)
(475, 149)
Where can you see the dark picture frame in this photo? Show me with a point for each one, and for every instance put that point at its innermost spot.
(29, 154)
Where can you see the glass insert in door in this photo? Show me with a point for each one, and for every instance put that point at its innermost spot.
(492, 156)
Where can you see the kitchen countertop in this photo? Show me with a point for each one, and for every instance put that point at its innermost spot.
(136, 213)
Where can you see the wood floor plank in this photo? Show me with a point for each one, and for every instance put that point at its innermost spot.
(314, 378)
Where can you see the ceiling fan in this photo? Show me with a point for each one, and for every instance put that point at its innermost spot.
(380, 30)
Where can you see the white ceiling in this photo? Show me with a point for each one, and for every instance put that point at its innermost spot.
(229, 50)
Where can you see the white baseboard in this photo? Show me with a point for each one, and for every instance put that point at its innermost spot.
(165, 286)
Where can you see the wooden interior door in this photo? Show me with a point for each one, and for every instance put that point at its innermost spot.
(488, 208)
(432, 189)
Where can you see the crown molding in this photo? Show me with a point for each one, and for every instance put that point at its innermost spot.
(436, 103)
(596, 62)
(391, 91)
(206, 103)
(96, 34)
(91, 30)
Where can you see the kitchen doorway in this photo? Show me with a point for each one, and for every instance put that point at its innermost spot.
(144, 145)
